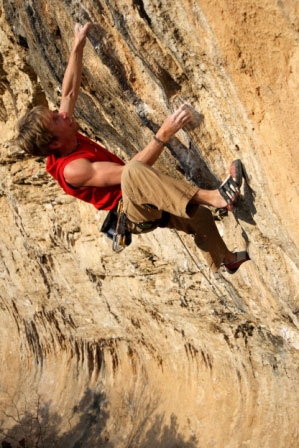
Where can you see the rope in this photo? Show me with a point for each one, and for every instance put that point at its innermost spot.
(199, 265)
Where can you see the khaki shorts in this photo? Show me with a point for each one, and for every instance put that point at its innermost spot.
(148, 192)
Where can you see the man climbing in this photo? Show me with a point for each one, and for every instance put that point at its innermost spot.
(149, 198)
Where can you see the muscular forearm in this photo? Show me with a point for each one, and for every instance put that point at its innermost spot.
(72, 77)
(169, 128)
(150, 153)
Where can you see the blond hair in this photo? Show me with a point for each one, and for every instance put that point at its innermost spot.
(33, 135)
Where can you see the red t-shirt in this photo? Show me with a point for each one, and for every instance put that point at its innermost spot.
(103, 198)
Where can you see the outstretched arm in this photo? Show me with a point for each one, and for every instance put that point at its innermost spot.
(72, 76)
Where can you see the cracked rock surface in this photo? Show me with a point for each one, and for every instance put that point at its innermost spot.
(148, 348)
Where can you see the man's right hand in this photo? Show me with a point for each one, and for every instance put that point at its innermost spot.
(81, 32)
(174, 122)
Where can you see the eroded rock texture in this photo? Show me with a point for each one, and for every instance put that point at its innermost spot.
(148, 348)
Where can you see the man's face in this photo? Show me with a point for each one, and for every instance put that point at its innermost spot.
(64, 129)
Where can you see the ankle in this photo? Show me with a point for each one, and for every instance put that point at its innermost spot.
(208, 197)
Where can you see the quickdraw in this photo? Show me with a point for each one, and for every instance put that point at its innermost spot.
(114, 227)
(120, 237)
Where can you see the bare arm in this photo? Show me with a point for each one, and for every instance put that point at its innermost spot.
(82, 172)
(173, 123)
(73, 73)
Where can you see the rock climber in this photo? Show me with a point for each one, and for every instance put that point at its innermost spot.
(149, 198)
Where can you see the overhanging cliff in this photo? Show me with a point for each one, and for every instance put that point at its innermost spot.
(149, 348)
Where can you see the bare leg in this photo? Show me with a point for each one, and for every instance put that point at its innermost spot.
(208, 197)
(228, 192)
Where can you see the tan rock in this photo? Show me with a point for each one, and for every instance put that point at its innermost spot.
(149, 348)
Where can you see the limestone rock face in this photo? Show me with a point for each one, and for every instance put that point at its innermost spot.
(148, 348)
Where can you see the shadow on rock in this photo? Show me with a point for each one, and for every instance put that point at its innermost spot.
(165, 436)
(39, 428)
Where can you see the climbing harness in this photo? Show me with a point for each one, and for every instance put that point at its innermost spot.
(118, 228)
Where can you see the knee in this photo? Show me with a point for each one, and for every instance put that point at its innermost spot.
(133, 171)
(130, 175)
(131, 168)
